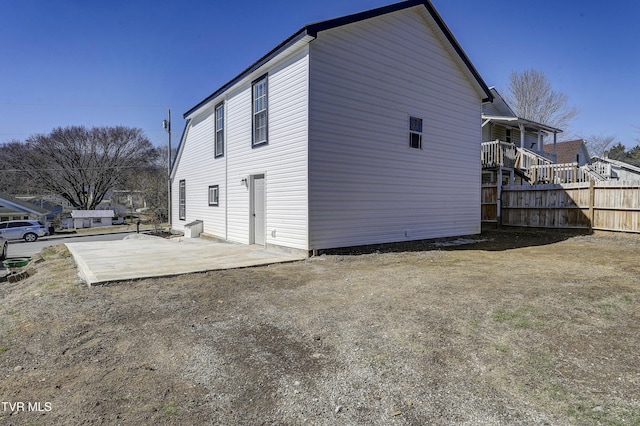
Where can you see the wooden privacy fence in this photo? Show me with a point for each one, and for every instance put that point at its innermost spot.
(608, 206)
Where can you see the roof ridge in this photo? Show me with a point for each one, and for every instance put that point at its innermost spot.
(313, 29)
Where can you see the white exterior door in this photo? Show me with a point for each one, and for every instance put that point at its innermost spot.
(258, 213)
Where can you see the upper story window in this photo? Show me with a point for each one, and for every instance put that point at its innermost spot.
(415, 132)
(219, 130)
(260, 111)
(182, 200)
(507, 136)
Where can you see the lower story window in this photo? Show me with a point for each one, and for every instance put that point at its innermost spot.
(415, 132)
(182, 201)
(214, 195)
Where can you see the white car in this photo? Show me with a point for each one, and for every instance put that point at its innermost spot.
(29, 230)
(3, 249)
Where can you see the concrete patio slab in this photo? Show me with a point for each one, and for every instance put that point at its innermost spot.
(140, 257)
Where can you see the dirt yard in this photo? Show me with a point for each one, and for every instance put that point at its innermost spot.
(521, 328)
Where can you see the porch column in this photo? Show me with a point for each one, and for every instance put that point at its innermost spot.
(521, 127)
(540, 147)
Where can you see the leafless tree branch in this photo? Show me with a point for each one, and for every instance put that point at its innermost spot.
(531, 96)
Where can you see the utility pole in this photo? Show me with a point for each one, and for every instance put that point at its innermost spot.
(166, 125)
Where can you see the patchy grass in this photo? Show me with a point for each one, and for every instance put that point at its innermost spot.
(455, 336)
(59, 251)
(524, 317)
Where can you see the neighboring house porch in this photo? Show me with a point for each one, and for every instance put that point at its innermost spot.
(615, 170)
(513, 147)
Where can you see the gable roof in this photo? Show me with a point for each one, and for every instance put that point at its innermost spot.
(79, 214)
(310, 32)
(567, 150)
(19, 205)
(498, 105)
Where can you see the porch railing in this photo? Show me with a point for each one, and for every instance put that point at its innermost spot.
(603, 169)
(526, 160)
(563, 173)
(539, 168)
(498, 154)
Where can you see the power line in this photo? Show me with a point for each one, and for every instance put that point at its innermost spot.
(59, 169)
(33, 133)
(83, 105)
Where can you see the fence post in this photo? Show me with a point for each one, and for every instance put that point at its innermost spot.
(499, 200)
(592, 193)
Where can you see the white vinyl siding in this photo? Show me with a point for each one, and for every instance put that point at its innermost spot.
(199, 169)
(366, 184)
(283, 161)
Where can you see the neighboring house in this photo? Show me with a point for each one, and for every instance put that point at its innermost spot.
(511, 145)
(55, 206)
(570, 152)
(90, 218)
(615, 169)
(347, 133)
(500, 122)
(12, 208)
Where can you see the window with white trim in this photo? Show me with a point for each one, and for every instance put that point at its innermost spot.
(415, 132)
(214, 195)
(260, 111)
(219, 130)
(182, 201)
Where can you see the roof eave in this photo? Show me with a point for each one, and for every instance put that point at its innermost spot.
(311, 31)
(521, 120)
(298, 36)
(456, 46)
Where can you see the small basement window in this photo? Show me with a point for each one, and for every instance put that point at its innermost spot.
(415, 132)
(214, 195)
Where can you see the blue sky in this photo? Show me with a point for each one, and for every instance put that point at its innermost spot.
(123, 62)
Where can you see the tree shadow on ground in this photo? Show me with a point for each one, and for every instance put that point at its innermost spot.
(489, 240)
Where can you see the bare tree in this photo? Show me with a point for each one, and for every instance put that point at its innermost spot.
(13, 179)
(598, 145)
(82, 164)
(151, 181)
(531, 96)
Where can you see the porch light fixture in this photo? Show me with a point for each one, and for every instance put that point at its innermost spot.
(244, 182)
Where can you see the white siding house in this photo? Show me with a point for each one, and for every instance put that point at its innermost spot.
(359, 130)
(91, 218)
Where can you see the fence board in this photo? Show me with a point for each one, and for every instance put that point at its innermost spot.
(615, 206)
(489, 203)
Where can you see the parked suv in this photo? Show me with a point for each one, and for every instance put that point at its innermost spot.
(4, 245)
(29, 230)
